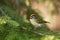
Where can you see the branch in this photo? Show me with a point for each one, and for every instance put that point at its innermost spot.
(39, 33)
(3, 13)
(35, 32)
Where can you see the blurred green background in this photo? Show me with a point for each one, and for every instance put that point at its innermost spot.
(15, 24)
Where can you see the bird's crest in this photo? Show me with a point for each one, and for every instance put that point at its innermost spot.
(32, 14)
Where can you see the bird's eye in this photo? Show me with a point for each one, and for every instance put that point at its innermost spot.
(32, 17)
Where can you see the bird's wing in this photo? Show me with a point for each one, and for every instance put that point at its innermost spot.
(41, 21)
(37, 20)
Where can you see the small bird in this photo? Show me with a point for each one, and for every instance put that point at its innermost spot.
(35, 21)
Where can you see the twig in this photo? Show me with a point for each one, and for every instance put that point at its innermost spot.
(34, 32)
(3, 13)
(39, 33)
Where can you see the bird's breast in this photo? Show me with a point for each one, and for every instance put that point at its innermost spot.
(34, 23)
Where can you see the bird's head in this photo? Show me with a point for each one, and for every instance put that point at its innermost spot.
(32, 16)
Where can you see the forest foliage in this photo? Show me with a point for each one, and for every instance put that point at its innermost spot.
(13, 26)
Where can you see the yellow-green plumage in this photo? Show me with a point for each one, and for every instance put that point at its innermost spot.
(40, 21)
